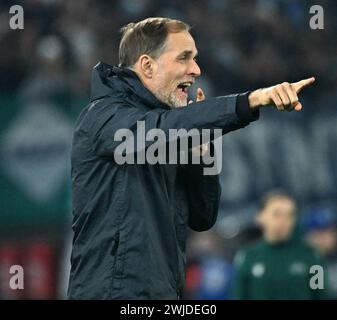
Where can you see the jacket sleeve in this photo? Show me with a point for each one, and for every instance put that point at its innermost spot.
(203, 194)
(103, 120)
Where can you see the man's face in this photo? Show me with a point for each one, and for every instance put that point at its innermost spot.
(278, 219)
(175, 70)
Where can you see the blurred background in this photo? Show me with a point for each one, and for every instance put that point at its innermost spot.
(243, 45)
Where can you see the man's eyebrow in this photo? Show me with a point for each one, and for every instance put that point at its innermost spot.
(187, 53)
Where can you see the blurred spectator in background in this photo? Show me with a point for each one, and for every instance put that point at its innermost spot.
(278, 266)
(321, 234)
(209, 271)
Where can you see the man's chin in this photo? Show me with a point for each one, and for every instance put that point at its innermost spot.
(175, 102)
(178, 103)
(182, 105)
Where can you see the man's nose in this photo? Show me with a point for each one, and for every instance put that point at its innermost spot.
(194, 69)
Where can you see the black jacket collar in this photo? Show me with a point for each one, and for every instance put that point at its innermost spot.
(107, 80)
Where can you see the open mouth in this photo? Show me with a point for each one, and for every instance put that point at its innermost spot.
(184, 86)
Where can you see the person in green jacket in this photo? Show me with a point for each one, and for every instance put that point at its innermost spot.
(278, 267)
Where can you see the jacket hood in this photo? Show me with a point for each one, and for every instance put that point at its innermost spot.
(107, 80)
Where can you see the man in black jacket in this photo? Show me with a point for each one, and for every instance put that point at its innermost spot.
(130, 220)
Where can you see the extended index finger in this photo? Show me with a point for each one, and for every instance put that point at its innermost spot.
(298, 86)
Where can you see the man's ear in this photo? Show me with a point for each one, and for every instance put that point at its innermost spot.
(146, 66)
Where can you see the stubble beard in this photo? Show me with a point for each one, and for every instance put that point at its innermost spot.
(170, 99)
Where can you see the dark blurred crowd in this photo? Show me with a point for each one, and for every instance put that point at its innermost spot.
(242, 44)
